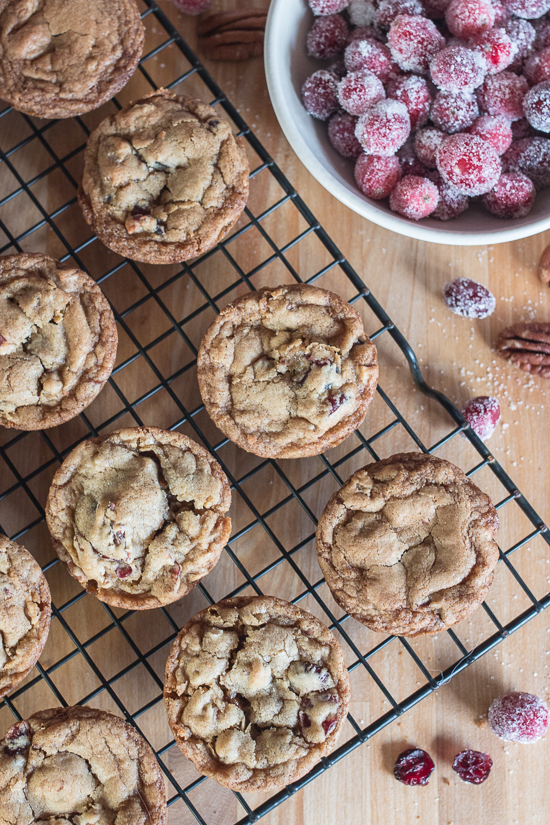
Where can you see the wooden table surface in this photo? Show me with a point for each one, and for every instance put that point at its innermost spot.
(456, 356)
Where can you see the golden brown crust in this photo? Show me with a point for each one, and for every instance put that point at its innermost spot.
(47, 378)
(284, 699)
(67, 764)
(25, 609)
(277, 367)
(407, 545)
(61, 59)
(138, 516)
(164, 179)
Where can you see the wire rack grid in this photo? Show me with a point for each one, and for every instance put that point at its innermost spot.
(114, 659)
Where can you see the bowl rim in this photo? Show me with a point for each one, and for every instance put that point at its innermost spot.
(274, 68)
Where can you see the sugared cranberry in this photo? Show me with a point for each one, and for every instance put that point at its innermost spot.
(542, 34)
(414, 197)
(192, 6)
(496, 47)
(532, 157)
(512, 197)
(518, 717)
(358, 91)
(362, 13)
(451, 203)
(529, 9)
(376, 176)
(371, 55)
(324, 7)
(458, 69)
(413, 42)
(536, 105)
(341, 133)
(327, 37)
(502, 94)
(388, 10)
(469, 298)
(384, 128)
(123, 571)
(413, 767)
(468, 18)
(414, 93)
(473, 766)
(319, 94)
(426, 143)
(482, 414)
(454, 111)
(469, 164)
(495, 130)
(522, 34)
(537, 67)
(501, 13)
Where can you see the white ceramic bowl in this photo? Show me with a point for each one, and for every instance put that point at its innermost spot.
(287, 66)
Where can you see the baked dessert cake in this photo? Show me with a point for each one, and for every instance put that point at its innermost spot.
(138, 516)
(407, 545)
(287, 371)
(58, 341)
(60, 59)
(25, 608)
(77, 766)
(164, 179)
(256, 692)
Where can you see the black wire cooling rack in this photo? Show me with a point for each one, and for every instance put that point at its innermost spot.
(114, 659)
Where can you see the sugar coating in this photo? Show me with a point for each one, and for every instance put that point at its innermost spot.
(371, 55)
(413, 41)
(512, 197)
(518, 717)
(482, 414)
(341, 133)
(529, 9)
(537, 67)
(468, 18)
(502, 94)
(384, 128)
(454, 111)
(451, 203)
(536, 105)
(325, 7)
(319, 94)
(522, 34)
(457, 69)
(327, 37)
(469, 298)
(496, 47)
(358, 91)
(414, 197)
(496, 130)
(362, 12)
(376, 175)
(388, 10)
(532, 157)
(413, 91)
(426, 143)
(468, 163)
(542, 34)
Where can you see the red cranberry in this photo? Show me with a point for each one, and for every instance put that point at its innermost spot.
(537, 67)
(468, 18)
(518, 717)
(335, 402)
(469, 298)
(532, 157)
(329, 725)
(451, 203)
(458, 69)
(528, 9)
(341, 133)
(413, 767)
(502, 94)
(324, 7)
(371, 55)
(454, 111)
(388, 10)
(501, 13)
(469, 164)
(522, 34)
(413, 42)
(305, 720)
(384, 128)
(512, 197)
(414, 93)
(358, 91)
(414, 197)
(536, 105)
(473, 766)
(319, 94)
(482, 414)
(376, 175)
(496, 130)
(496, 47)
(426, 143)
(123, 571)
(542, 34)
(327, 37)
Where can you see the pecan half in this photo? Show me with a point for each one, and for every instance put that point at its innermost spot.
(232, 35)
(528, 346)
(544, 266)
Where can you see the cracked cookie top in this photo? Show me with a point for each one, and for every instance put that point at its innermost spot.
(164, 179)
(256, 692)
(287, 371)
(79, 766)
(407, 545)
(138, 515)
(24, 613)
(58, 341)
(60, 59)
